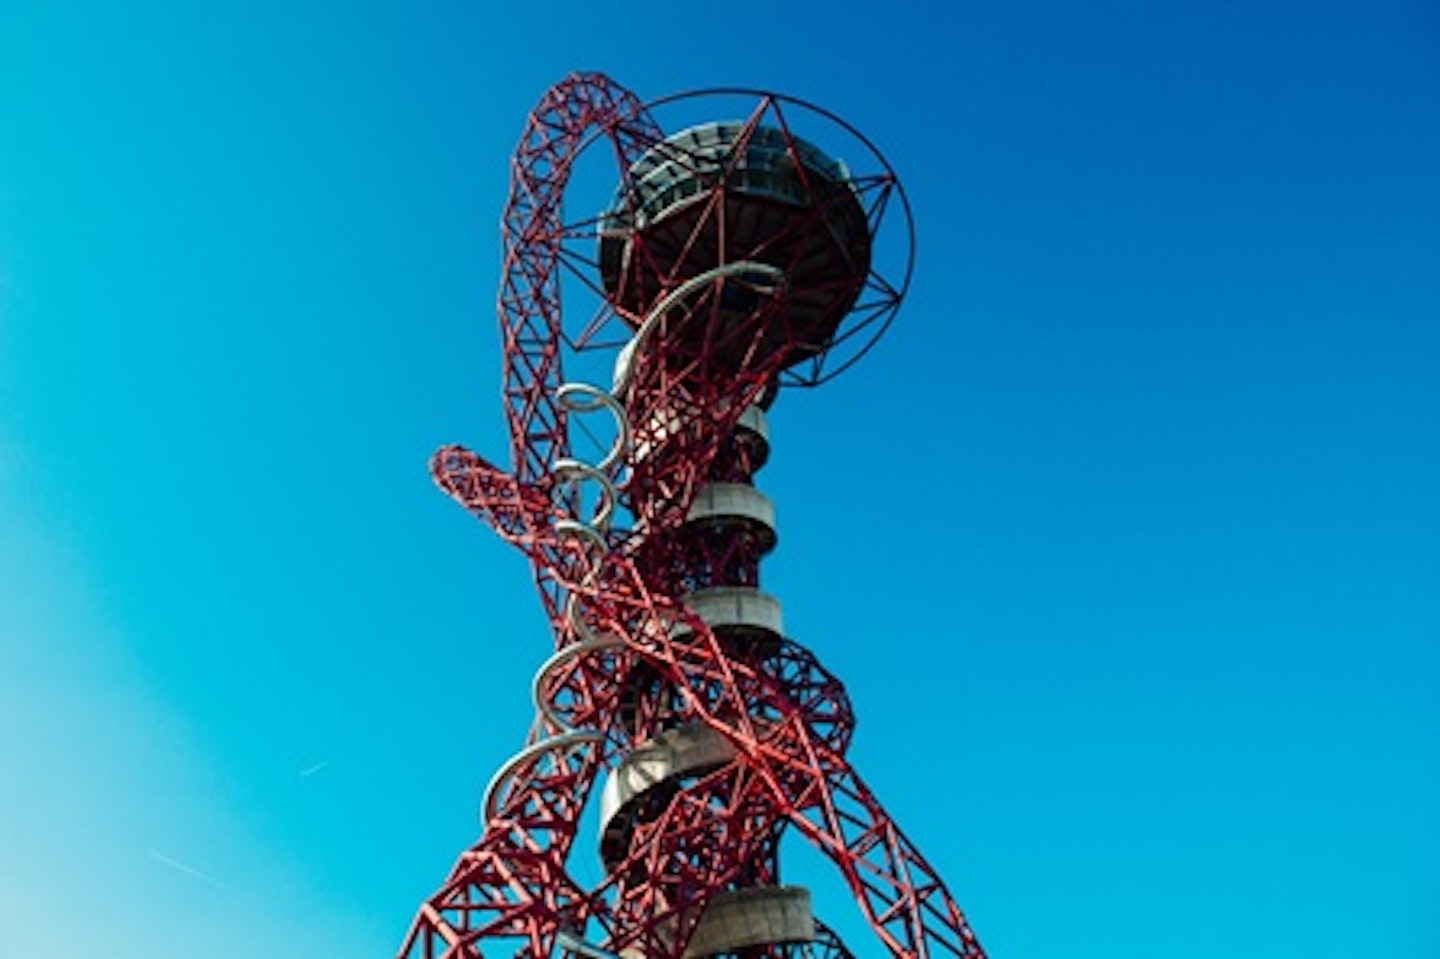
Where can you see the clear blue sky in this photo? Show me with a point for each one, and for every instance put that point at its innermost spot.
(1126, 539)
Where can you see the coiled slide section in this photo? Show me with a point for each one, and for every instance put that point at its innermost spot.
(551, 733)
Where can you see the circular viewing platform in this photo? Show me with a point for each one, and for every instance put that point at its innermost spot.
(724, 193)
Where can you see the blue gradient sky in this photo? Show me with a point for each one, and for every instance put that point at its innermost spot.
(1126, 539)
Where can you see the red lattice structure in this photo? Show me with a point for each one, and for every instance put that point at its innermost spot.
(735, 258)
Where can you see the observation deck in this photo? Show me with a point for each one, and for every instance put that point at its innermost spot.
(725, 193)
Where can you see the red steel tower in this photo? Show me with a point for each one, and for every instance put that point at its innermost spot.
(734, 259)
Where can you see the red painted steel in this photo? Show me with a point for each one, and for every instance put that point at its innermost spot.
(648, 662)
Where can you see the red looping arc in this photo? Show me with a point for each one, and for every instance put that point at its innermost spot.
(733, 255)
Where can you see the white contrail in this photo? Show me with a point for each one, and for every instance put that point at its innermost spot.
(312, 770)
(187, 870)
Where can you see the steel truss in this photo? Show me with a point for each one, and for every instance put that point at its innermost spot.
(632, 657)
